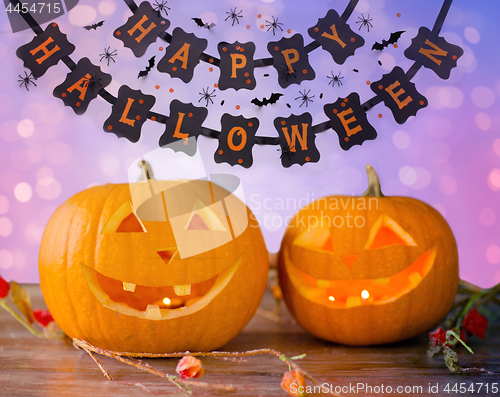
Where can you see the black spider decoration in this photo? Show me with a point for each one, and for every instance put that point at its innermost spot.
(91, 81)
(234, 16)
(161, 6)
(274, 25)
(285, 149)
(305, 98)
(108, 55)
(207, 96)
(26, 80)
(365, 22)
(335, 79)
(286, 72)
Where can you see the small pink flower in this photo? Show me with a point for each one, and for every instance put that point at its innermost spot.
(293, 383)
(189, 367)
(43, 317)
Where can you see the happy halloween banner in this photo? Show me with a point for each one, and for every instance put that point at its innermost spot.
(289, 56)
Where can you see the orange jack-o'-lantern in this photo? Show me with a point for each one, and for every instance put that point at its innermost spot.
(114, 278)
(368, 270)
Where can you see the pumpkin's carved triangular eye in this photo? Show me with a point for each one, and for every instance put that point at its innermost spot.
(203, 218)
(197, 223)
(328, 245)
(386, 231)
(130, 224)
(124, 220)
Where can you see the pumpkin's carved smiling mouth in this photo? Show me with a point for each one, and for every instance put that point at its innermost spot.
(156, 303)
(340, 294)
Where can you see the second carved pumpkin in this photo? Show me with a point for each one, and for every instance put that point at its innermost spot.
(368, 270)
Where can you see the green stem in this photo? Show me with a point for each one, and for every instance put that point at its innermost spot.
(467, 307)
(16, 316)
(479, 297)
(450, 332)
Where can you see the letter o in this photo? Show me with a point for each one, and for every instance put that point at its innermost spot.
(341, 220)
(241, 132)
(356, 221)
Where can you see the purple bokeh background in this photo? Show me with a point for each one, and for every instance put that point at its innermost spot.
(448, 155)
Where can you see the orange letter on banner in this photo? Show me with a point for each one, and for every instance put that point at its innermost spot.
(124, 118)
(429, 52)
(182, 55)
(236, 65)
(81, 85)
(395, 95)
(241, 132)
(43, 47)
(138, 25)
(288, 60)
(335, 36)
(177, 132)
(295, 134)
(345, 123)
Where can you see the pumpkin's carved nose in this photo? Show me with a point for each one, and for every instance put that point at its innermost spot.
(168, 254)
(350, 259)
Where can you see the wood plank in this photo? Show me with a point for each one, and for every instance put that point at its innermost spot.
(33, 367)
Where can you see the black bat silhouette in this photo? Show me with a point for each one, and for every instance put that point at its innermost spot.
(222, 103)
(199, 22)
(266, 75)
(380, 63)
(272, 99)
(289, 106)
(321, 96)
(393, 39)
(94, 25)
(355, 70)
(143, 73)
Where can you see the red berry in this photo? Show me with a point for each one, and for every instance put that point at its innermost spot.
(43, 317)
(4, 288)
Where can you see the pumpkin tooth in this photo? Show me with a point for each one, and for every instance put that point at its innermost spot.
(182, 290)
(129, 287)
(153, 312)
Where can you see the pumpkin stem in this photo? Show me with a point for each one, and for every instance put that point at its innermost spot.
(374, 189)
(145, 176)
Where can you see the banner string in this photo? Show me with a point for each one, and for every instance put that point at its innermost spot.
(259, 140)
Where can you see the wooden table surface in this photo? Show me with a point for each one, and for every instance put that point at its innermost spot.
(37, 367)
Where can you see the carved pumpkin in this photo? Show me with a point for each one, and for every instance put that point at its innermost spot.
(368, 270)
(119, 280)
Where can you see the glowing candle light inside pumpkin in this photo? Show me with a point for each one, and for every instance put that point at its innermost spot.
(365, 294)
(331, 299)
(167, 301)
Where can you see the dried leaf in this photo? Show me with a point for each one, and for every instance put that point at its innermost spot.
(52, 331)
(451, 359)
(22, 300)
(433, 350)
